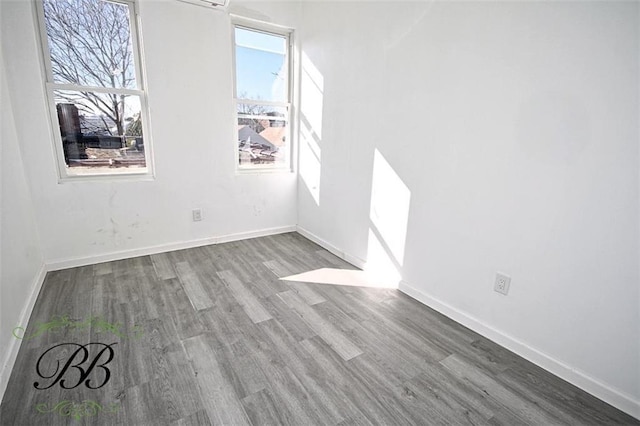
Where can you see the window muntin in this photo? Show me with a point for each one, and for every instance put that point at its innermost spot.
(262, 98)
(94, 87)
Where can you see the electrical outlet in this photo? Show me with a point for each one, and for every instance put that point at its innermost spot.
(502, 283)
(197, 215)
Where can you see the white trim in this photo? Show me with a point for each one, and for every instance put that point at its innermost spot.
(14, 346)
(262, 117)
(262, 102)
(255, 234)
(252, 23)
(50, 85)
(249, 24)
(354, 260)
(618, 399)
(209, 4)
(98, 89)
(57, 264)
(241, 171)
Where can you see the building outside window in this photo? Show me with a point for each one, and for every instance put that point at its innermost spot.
(95, 87)
(262, 97)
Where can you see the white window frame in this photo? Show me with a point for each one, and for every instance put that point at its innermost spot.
(100, 173)
(288, 34)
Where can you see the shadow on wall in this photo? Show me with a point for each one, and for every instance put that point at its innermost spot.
(311, 87)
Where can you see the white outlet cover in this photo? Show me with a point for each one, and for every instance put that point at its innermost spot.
(197, 215)
(502, 284)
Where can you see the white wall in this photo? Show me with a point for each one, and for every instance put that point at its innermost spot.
(514, 126)
(21, 260)
(188, 62)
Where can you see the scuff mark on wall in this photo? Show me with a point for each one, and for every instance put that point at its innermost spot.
(115, 233)
(112, 196)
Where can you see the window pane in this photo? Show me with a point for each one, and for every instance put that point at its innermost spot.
(100, 130)
(90, 43)
(261, 66)
(262, 135)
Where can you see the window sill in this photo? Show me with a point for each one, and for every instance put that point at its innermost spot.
(107, 176)
(263, 171)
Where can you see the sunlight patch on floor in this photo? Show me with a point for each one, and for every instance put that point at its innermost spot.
(348, 277)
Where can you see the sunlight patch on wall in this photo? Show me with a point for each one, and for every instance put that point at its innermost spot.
(310, 162)
(380, 263)
(389, 216)
(311, 103)
(346, 277)
(312, 89)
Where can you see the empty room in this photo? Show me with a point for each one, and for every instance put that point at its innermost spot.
(319, 212)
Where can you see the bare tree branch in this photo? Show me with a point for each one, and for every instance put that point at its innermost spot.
(90, 45)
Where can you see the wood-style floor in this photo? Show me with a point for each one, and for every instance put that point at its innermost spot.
(211, 336)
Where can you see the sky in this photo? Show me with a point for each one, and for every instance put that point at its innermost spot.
(260, 58)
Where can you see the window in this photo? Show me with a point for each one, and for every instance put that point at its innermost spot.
(262, 98)
(94, 87)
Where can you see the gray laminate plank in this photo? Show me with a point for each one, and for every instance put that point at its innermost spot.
(335, 374)
(218, 396)
(249, 371)
(199, 418)
(278, 268)
(132, 360)
(563, 400)
(175, 306)
(140, 406)
(307, 371)
(163, 266)
(226, 321)
(236, 364)
(334, 260)
(259, 279)
(304, 290)
(398, 363)
(262, 409)
(172, 375)
(284, 315)
(443, 404)
(371, 374)
(376, 322)
(436, 380)
(102, 268)
(505, 397)
(322, 327)
(192, 286)
(245, 298)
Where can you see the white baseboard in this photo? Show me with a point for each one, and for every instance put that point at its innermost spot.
(14, 346)
(354, 260)
(255, 234)
(57, 264)
(576, 377)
